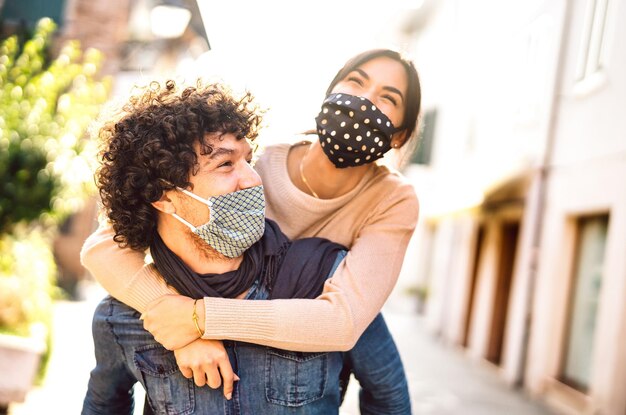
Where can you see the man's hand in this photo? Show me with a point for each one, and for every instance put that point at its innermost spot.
(169, 320)
(206, 361)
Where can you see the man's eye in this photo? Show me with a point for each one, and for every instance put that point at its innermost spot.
(226, 164)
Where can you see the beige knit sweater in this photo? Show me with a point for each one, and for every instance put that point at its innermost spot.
(376, 220)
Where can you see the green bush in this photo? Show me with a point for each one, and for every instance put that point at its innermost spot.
(26, 281)
(46, 106)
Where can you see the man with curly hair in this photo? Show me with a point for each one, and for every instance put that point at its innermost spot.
(176, 177)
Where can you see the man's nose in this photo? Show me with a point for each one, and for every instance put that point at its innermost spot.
(248, 177)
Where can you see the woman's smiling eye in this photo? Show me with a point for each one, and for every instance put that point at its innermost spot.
(390, 99)
(355, 79)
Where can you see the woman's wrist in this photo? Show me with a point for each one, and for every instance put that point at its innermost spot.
(195, 318)
(200, 313)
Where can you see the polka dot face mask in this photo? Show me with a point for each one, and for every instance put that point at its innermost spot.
(353, 131)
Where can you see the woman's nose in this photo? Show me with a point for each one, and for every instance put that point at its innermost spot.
(369, 93)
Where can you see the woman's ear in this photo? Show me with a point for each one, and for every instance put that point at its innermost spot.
(398, 139)
(164, 204)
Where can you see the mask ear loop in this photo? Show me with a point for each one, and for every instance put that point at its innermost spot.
(188, 193)
(184, 222)
(207, 202)
(194, 196)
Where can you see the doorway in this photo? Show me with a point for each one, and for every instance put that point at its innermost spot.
(506, 261)
(478, 249)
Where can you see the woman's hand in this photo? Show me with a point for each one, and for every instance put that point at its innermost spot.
(169, 319)
(206, 361)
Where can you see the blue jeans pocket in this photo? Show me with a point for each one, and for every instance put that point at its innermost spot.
(295, 378)
(168, 391)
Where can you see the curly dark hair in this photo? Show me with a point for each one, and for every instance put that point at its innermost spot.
(149, 148)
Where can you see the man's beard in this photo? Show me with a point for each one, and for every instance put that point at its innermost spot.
(207, 252)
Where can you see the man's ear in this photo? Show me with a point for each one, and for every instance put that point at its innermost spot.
(164, 204)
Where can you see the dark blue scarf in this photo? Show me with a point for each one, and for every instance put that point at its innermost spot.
(289, 269)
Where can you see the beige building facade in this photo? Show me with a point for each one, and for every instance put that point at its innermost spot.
(522, 237)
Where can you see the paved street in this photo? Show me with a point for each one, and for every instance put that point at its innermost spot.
(441, 380)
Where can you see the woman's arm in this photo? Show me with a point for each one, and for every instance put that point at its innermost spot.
(122, 272)
(332, 322)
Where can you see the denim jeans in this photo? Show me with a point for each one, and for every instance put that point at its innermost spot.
(273, 381)
(376, 364)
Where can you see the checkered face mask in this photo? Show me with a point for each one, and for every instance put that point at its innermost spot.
(237, 220)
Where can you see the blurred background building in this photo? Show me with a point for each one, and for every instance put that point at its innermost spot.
(518, 259)
(522, 180)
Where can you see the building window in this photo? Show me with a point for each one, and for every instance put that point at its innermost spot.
(593, 49)
(30, 11)
(423, 153)
(584, 297)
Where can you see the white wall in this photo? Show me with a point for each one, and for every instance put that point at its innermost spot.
(588, 176)
(489, 69)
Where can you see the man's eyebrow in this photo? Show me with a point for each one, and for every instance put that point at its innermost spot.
(220, 152)
(388, 88)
